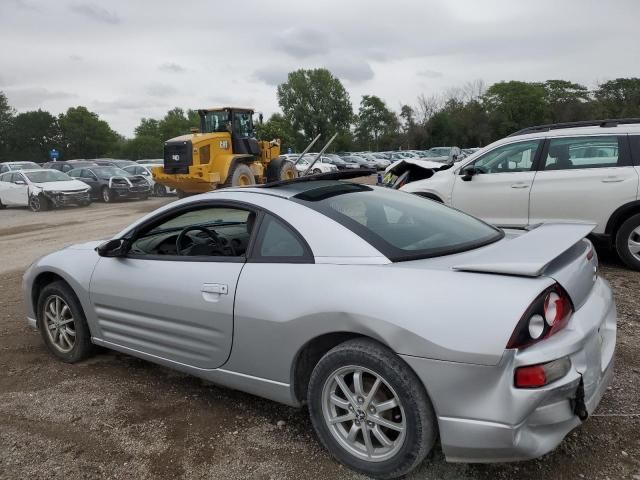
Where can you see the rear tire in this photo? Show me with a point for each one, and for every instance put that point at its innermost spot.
(316, 171)
(240, 176)
(628, 242)
(395, 422)
(62, 323)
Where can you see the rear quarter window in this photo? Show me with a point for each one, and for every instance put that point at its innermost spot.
(401, 225)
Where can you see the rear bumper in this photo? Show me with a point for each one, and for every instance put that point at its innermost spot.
(482, 417)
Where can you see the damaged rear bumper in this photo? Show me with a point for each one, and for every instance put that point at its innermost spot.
(483, 417)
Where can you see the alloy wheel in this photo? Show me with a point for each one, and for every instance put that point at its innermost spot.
(34, 203)
(59, 323)
(363, 413)
(633, 243)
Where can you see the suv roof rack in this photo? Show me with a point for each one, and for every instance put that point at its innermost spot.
(344, 175)
(610, 122)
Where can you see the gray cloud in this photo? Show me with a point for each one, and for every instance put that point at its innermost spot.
(272, 75)
(161, 90)
(354, 71)
(430, 74)
(95, 12)
(302, 42)
(34, 97)
(171, 67)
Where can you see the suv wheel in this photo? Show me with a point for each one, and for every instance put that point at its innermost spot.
(370, 410)
(628, 242)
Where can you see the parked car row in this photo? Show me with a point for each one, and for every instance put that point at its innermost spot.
(76, 182)
(378, 160)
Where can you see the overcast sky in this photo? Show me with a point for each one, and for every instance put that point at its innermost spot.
(127, 59)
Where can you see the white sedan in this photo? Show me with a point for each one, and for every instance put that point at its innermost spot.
(42, 189)
(323, 165)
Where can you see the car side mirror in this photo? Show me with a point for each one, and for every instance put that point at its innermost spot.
(117, 247)
(468, 173)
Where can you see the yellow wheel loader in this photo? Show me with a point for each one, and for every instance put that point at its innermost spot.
(223, 152)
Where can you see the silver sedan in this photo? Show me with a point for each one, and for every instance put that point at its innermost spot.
(430, 323)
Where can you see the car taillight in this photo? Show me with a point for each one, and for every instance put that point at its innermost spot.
(535, 376)
(549, 313)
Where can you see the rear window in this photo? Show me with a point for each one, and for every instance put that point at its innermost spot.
(401, 225)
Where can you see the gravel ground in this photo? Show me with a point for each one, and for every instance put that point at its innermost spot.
(115, 416)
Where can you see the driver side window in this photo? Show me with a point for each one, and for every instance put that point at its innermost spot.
(198, 232)
(515, 157)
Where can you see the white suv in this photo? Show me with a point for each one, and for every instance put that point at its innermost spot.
(584, 172)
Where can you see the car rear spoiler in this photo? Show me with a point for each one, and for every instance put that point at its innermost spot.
(528, 254)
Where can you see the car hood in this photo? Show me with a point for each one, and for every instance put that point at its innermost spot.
(400, 166)
(86, 245)
(62, 185)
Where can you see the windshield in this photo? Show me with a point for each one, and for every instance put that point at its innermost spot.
(23, 166)
(402, 226)
(110, 172)
(215, 121)
(44, 176)
(438, 152)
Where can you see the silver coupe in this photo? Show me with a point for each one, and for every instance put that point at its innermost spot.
(395, 319)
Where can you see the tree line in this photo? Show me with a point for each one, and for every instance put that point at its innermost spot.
(316, 102)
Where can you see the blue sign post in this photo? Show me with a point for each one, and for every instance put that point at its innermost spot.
(54, 154)
(289, 150)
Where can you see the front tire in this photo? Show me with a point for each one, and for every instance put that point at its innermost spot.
(241, 176)
(628, 242)
(106, 195)
(38, 203)
(62, 323)
(370, 410)
(159, 190)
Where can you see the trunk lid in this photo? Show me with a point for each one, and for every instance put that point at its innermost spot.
(558, 251)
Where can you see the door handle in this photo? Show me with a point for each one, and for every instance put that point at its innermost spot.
(215, 288)
(611, 180)
(520, 185)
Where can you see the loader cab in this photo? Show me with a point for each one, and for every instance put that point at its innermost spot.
(236, 121)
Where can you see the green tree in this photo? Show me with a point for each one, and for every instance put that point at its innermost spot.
(565, 101)
(315, 102)
(149, 127)
(177, 122)
(33, 135)
(277, 127)
(514, 105)
(6, 119)
(141, 147)
(618, 98)
(84, 135)
(376, 125)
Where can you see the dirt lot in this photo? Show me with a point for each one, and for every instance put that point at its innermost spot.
(115, 416)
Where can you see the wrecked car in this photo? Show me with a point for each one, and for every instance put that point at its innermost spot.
(113, 183)
(408, 170)
(41, 189)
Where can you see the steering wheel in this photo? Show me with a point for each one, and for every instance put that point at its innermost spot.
(180, 250)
